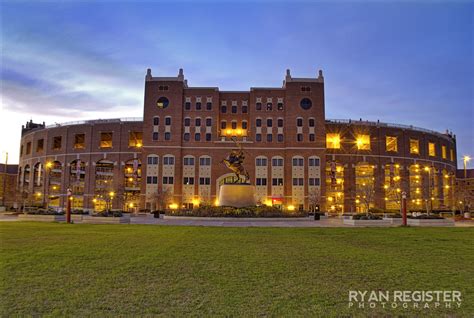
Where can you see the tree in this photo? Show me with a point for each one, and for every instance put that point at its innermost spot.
(314, 199)
(365, 192)
(160, 199)
(464, 198)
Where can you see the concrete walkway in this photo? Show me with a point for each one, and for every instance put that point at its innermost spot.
(331, 222)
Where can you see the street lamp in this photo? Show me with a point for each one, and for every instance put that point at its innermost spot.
(428, 169)
(466, 159)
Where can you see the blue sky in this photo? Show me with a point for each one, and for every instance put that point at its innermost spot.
(402, 62)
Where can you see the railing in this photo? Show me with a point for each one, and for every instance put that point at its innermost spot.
(96, 121)
(381, 124)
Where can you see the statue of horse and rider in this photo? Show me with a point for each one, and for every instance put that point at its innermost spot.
(234, 162)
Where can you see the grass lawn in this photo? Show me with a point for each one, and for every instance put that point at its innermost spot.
(83, 270)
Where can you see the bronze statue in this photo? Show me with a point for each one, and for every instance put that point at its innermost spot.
(234, 162)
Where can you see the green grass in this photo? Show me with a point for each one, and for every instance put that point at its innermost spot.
(96, 270)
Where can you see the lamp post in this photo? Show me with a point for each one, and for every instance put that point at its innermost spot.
(466, 159)
(428, 169)
(46, 167)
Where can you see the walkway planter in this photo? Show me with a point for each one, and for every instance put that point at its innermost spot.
(367, 222)
(105, 220)
(431, 222)
(397, 221)
(41, 218)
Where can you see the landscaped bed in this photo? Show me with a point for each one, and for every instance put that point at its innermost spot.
(83, 270)
(245, 212)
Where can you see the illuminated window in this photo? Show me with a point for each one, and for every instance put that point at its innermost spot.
(391, 143)
(363, 142)
(106, 140)
(79, 141)
(431, 149)
(451, 154)
(333, 141)
(135, 139)
(443, 152)
(414, 146)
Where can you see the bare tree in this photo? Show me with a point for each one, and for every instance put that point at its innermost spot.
(464, 199)
(314, 199)
(161, 199)
(365, 192)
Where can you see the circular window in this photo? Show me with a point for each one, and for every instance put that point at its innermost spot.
(306, 103)
(162, 102)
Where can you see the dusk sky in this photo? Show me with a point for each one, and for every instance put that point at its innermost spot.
(406, 63)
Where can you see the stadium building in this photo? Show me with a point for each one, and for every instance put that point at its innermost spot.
(297, 159)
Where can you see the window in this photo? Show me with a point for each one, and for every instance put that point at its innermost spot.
(208, 122)
(269, 122)
(299, 137)
(167, 121)
(261, 181)
(168, 161)
(167, 136)
(162, 102)
(451, 154)
(223, 109)
(306, 103)
(234, 124)
(155, 136)
(363, 142)
(223, 124)
(151, 180)
(311, 122)
(244, 124)
(208, 106)
(305, 89)
(198, 122)
(57, 142)
(269, 137)
(28, 147)
(298, 162)
(234, 109)
(152, 160)
(156, 121)
(258, 137)
(188, 180)
(443, 152)
(187, 106)
(299, 122)
(186, 136)
(280, 122)
(135, 139)
(168, 180)
(311, 137)
(313, 162)
(205, 181)
(391, 143)
(21, 150)
(187, 122)
(269, 106)
(277, 181)
(106, 140)
(298, 181)
(280, 106)
(163, 88)
(431, 149)
(333, 141)
(277, 162)
(314, 182)
(40, 145)
(280, 137)
(261, 162)
(414, 146)
(245, 109)
(205, 161)
(197, 137)
(258, 122)
(208, 137)
(258, 106)
(198, 106)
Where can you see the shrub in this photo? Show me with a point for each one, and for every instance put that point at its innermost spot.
(426, 217)
(109, 214)
(366, 217)
(244, 212)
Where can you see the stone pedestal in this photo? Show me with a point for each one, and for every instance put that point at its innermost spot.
(237, 195)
